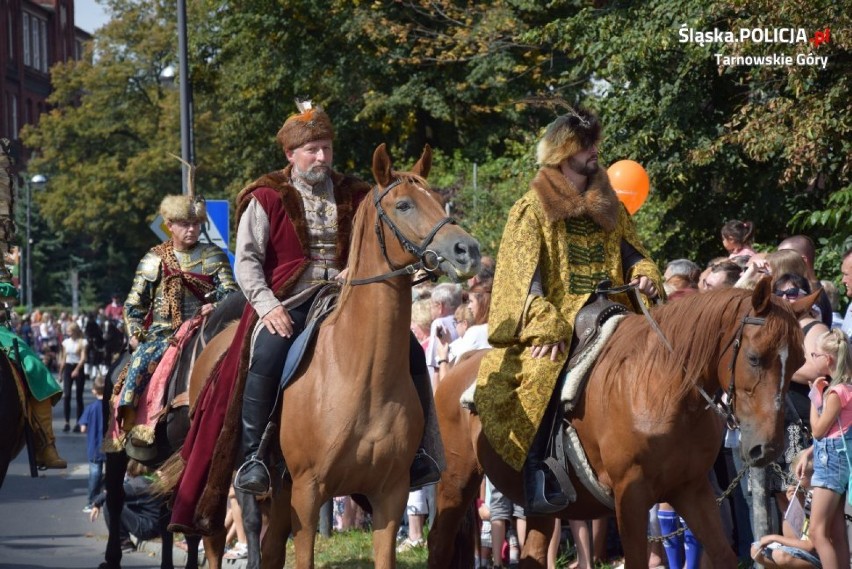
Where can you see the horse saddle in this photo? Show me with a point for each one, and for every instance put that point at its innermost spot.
(591, 319)
(324, 302)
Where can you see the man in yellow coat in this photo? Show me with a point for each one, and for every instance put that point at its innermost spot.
(565, 235)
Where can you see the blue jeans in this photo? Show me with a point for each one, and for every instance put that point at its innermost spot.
(96, 480)
(831, 469)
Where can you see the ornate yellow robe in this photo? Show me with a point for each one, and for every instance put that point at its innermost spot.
(575, 240)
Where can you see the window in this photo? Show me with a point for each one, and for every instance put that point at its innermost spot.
(13, 116)
(42, 24)
(26, 35)
(9, 30)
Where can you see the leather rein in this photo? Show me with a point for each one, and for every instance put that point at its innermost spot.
(427, 259)
(725, 409)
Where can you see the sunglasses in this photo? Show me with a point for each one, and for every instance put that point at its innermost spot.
(789, 293)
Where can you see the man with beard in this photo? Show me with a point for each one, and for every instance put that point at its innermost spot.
(562, 238)
(293, 236)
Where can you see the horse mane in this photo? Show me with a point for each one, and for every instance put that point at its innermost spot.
(360, 224)
(692, 326)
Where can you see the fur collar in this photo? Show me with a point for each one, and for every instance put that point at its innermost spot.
(561, 200)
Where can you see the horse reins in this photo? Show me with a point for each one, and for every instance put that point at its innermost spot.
(427, 259)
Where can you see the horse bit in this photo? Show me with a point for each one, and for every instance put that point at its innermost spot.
(427, 259)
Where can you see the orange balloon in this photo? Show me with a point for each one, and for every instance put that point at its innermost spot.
(630, 181)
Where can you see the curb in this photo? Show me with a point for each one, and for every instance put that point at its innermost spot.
(155, 548)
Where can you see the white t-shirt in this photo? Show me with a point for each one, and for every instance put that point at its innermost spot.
(73, 350)
(449, 325)
(476, 338)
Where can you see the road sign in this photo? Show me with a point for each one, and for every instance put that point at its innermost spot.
(218, 218)
(158, 226)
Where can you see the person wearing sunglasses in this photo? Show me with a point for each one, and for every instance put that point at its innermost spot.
(791, 287)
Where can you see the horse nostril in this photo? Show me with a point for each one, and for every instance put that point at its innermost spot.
(756, 452)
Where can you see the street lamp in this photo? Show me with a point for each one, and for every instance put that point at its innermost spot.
(39, 182)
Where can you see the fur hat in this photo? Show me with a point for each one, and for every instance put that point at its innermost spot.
(309, 124)
(183, 208)
(566, 136)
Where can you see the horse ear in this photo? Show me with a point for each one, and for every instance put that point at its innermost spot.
(802, 306)
(424, 164)
(761, 297)
(382, 166)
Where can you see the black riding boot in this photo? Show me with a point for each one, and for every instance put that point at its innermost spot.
(426, 466)
(543, 493)
(258, 400)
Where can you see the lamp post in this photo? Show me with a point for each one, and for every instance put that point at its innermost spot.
(38, 181)
(187, 146)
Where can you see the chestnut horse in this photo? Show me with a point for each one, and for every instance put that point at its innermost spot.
(647, 430)
(351, 419)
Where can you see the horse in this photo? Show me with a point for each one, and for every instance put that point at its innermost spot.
(366, 445)
(170, 434)
(11, 415)
(644, 405)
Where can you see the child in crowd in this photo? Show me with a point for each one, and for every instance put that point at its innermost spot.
(144, 512)
(92, 423)
(793, 549)
(831, 418)
(737, 238)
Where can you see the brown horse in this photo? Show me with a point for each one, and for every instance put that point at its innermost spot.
(352, 418)
(648, 433)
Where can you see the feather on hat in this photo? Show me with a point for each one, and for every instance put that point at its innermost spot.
(187, 207)
(309, 124)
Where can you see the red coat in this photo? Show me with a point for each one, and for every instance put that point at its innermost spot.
(213, 440)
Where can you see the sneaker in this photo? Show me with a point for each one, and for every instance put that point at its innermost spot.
(76, 428)
(239, 551)
(87, 509)
(66, 428)
(409, 544)
(127, 546)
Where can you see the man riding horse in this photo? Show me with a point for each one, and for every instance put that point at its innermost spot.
(174, 281)
(293, 236)
(565, 235)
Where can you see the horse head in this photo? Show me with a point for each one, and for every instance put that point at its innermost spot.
(767, 349)
(413, 228)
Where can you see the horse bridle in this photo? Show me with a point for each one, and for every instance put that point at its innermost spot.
(427, 259)
(728, 409)
(725, 410)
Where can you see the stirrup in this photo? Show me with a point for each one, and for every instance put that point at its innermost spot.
(251, 461)
(539, 500)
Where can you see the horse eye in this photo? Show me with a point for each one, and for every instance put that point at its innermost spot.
(753, 359)
(403, 205)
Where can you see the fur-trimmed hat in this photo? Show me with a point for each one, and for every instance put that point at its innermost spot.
(309, 124)
(566, 136)
(183, 208)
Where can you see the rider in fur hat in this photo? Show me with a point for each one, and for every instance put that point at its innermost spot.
(565, 235)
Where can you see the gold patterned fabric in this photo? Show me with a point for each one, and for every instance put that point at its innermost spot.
(577, 237)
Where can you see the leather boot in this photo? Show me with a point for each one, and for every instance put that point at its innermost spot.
(542, 491)
(258, 400)
(429, 461)
(45, 440)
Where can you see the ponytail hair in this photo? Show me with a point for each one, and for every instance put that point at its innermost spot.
(740, 232)
(836, 344)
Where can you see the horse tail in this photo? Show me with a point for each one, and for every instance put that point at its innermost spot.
(168, 475)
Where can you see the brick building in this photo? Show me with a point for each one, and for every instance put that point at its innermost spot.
(34, 35)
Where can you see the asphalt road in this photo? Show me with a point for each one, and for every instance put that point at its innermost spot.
(42, 524)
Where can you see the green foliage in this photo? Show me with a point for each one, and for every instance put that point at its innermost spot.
(766, 143)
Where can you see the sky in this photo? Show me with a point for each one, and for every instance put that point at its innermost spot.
(89, 15)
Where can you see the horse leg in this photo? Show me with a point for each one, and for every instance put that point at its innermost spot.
(274, 544)
(252, 524)
(631, 507)
(167, 539)
(539, 531)
(214, 549)
(192, 542)
(696, 503)
(451, 537)
(116, 466)
(387, 511)
(305, 518)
